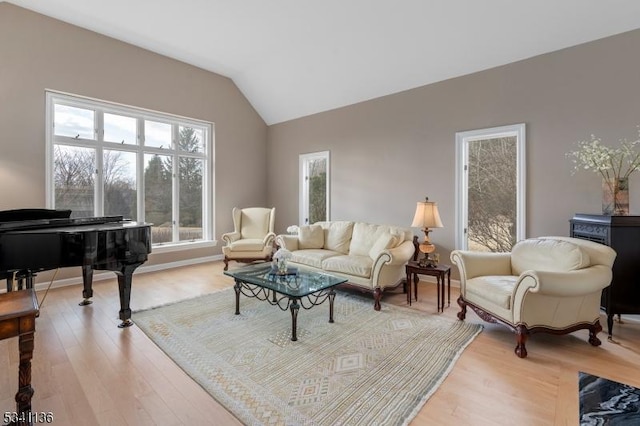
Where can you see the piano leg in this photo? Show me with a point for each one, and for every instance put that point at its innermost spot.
(124, 285)
(87, 280)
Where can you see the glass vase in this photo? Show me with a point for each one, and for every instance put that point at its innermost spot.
(615, 197)
(282, 266)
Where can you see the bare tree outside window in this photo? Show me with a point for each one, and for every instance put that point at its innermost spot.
(492, 194)
(120, 195)
(74, 179)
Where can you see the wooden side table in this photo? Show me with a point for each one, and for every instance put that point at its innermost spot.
(18, 311)
(439, 271)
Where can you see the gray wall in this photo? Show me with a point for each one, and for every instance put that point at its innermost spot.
(390, 152)
(38, 53)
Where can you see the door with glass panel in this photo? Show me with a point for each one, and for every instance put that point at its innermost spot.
(490, 201)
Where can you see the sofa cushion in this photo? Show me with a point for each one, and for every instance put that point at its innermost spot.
(312, 257)
(359, 266)
(547, 255)
(385, 241)
(363, 237)
(310, 237)
(337, 236)
(496, 289)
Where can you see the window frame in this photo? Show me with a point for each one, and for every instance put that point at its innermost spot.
(462, 140)
(100, 107)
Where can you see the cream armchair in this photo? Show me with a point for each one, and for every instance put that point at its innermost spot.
(252, 237)
(546, 284)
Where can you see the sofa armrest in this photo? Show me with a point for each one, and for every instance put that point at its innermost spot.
(565, 284)
(390, 260)
(269, 238)
(399, 255)
(230, 237)
(473, 264)
(288, 242)
(393, 257)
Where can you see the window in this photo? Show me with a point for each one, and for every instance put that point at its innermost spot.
(314, 187)
(105, 159)
(490, 188)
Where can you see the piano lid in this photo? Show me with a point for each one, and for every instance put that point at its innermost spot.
(33, 214)
(18, 225)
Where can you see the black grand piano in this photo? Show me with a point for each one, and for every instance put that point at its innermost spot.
(34, 240)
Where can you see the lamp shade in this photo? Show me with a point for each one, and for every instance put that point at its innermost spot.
(427, 215)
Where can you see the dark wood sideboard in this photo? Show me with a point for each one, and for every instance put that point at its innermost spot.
(622, 233)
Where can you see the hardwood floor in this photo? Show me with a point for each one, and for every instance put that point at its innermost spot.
(87, 371)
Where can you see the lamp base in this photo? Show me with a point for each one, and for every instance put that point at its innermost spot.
(427, 262)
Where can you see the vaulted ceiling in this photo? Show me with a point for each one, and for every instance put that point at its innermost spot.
(293, 58)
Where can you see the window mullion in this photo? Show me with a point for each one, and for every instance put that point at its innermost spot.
(140, 169)
(99, 172)
(176, 183)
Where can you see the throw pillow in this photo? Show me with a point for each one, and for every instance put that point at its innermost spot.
(310, 237)
(384, 241)
(338, 236)
(547, 255)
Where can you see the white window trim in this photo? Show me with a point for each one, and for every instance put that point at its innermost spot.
(52, 97)
(462, 185)
(303, 187)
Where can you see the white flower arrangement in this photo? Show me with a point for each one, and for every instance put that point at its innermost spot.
(610, 163)
(280, 258)
(283, 254)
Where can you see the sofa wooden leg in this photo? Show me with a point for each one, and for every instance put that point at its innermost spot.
(521, 336)
(463, 308)
(377, 295)
(593, 332)
(226, 263)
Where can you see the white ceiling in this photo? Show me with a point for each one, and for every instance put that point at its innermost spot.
(293, 58)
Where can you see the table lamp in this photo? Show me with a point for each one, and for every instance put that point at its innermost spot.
(426, 217)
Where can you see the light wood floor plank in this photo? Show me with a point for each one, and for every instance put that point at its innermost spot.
(88, 371)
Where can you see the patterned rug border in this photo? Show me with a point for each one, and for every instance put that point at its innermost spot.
(341, 294)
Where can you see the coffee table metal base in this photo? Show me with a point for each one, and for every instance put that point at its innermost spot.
(285, 302)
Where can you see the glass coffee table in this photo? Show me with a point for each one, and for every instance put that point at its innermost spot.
(293, 290)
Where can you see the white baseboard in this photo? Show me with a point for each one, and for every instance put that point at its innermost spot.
(106, 275)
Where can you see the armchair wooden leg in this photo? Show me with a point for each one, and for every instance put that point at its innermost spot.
(226, 263)
(377, 295)
(463, 308)
(521, 336)
(593, 331)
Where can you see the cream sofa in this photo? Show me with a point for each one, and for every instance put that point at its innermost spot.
(372, 257)
(546, 284)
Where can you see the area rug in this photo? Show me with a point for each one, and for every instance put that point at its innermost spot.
(368, 367)
(605, 402)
